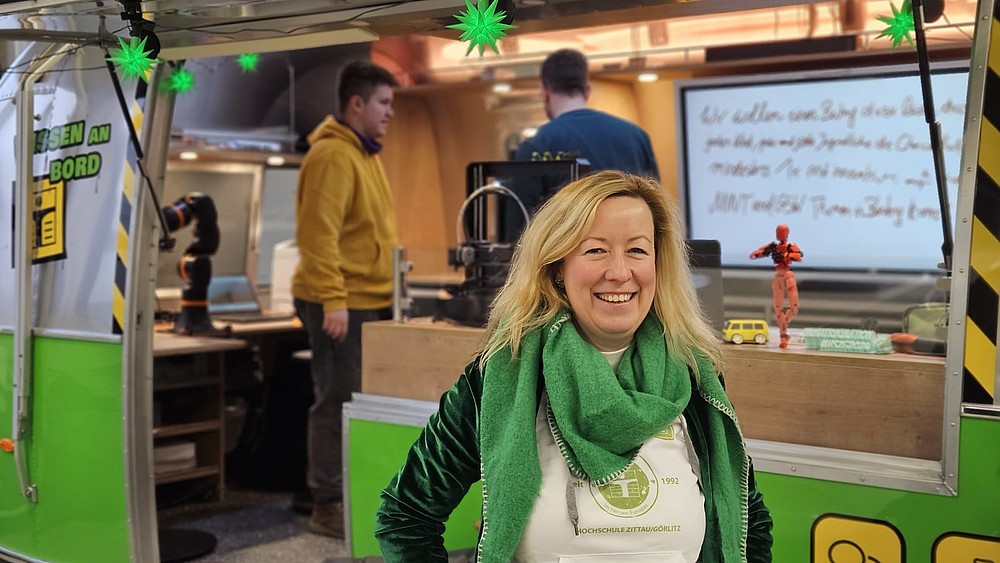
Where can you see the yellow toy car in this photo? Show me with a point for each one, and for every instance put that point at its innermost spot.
(739, 331)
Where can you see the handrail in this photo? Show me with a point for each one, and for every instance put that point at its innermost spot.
(24, 247)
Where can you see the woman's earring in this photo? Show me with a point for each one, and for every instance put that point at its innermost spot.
(560, 284)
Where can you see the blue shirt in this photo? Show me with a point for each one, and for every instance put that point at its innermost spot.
(604, 141)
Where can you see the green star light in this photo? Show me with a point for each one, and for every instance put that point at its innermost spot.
(132, 59)
(181, 81)
(900, 24)
(248, 62)
(481, 25)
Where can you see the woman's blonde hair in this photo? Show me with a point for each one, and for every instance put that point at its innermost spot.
(530, 299)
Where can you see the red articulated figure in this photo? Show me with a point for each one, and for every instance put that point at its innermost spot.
(783, 253)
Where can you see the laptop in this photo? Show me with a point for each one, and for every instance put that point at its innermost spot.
(235, 299)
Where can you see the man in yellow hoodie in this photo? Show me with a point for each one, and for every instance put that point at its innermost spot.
(345, 231)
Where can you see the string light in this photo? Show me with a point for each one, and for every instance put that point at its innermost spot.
(181, 81)
(900, 24)
(132, 59)
(481, 25)
(248, 62)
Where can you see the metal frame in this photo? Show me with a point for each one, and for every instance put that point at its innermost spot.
(986, 412)
(24, 244)
(7, 555)
(955, 364)
(137, 338)
(859, 468)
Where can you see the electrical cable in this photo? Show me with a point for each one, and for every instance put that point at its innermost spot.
(166, 241)
(203, 28)
(98, 41)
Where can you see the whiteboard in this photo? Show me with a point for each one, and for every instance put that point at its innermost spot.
(843, 160)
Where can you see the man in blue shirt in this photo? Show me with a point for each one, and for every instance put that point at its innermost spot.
(575, 131)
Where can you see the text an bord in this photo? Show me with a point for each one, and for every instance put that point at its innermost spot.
(75, 167)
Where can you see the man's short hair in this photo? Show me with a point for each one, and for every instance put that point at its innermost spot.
(565, 72)
(360, 78)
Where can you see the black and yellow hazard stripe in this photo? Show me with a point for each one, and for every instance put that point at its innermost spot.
(130, 171)
(984, 276)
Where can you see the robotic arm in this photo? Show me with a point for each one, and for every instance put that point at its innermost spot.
(195, 266)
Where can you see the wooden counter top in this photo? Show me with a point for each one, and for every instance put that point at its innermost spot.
(171, 344)
(418, 359)
(890, 404)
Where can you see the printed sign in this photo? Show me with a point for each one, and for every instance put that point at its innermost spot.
(956, 546)
(49, 221)
(846, 539)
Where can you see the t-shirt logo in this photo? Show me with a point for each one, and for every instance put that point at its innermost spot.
(632, 494)
(665, 434)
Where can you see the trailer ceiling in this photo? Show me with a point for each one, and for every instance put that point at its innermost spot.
(224, 27)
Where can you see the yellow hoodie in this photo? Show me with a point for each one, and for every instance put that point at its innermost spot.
(346, 225)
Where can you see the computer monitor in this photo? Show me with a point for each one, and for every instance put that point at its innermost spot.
(704, 258)
(235, 189)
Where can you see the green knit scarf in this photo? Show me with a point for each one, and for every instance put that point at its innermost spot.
(603, 419)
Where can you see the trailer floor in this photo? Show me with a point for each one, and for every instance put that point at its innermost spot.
(253, 527)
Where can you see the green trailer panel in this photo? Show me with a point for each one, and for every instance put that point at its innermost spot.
(862, 515)
(376, 452)
(75, 455)
(814, 520)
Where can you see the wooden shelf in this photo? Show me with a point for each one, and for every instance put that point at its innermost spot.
(187, 428)
(189, 389)
(185, 474)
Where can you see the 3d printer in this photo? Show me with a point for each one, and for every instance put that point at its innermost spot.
(484, 252)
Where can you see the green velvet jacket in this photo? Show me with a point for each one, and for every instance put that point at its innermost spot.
(444, 462)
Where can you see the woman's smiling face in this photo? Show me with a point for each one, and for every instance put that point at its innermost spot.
(611, 275)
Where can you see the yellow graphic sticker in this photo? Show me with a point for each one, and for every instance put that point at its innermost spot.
(956, 546)
(49, 221)
(846, 539)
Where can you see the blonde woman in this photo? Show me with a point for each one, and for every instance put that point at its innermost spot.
(594, 414)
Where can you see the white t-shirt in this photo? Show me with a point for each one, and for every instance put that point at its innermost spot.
(655, 512)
